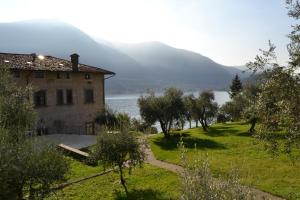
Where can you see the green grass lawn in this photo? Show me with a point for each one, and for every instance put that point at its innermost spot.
(79, 170)
(230, 146)
(145, 183)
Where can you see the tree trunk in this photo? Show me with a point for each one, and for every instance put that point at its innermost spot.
(253, 123)
(190, 121)
(123, 182)
(170, 126)
(196, 123)
(163, 128)
(203, 125)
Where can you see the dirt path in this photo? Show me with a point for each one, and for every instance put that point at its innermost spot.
(168, 166)
(150, 158)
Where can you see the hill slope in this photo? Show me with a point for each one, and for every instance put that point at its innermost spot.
(138, 67)
(179, 67)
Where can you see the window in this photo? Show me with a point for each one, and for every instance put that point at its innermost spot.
(88, 96)
(67, 75)
(58, 76)
(39, 74)
(69, 97)
(40, 98)
(17, 74)
(59, 97)
(87, 76)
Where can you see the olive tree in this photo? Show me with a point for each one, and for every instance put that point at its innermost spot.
(243, 106)
(189, 103)
(205, 108)
(250, 96)
(278, 104)
(119, 149)
(30, 169)
(17, 114)
(27, 168)
(164, 109)
(233, 109)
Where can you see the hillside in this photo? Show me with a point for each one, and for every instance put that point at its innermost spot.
(138, 67)
(180, 67)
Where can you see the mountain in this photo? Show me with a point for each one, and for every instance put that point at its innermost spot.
(50, 37)
(138, 67)
(179, 67)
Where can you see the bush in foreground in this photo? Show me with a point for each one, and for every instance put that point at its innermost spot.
(199, 184)
(27, 168)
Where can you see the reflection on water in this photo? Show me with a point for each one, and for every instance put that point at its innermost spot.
(128, 102)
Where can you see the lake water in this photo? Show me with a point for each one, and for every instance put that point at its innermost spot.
(128, 102)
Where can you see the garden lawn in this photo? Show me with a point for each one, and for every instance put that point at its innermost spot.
(229, 146)
(145, 183)
(80, 170)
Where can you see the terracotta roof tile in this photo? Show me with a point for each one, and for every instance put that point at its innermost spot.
(43, 63)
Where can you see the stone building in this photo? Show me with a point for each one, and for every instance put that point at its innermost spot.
(67, 95)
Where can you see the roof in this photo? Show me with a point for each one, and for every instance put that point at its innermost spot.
(44, 63)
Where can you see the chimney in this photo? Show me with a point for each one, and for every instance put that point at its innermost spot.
(74, 60)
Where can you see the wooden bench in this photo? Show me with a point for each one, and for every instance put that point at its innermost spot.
(73, 150)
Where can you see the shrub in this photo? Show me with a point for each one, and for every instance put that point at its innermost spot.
(199, 184)
(221, 118)
(107, 118)
(26, 167)
(29, 168)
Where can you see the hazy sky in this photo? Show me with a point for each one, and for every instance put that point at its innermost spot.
(228, 31)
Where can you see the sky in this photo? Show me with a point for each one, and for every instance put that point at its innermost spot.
(230, 32)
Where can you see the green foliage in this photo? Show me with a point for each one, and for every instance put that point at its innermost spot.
(141, 186)
(279, 100)
(189, 104)
(229, 145)
(29, 168)
(107, 118)
(198, 182)
(165, 109)
(118, 149)
(112, 120)
(236, 86)
(243, 106)
(26, 167)
(141, 126)
(17, 114)
(280, 112)
(205, 109)
(123, 120)
(233, 109)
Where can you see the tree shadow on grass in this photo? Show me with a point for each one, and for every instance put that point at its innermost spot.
(221, 131)
(189, 142)
(145, 194)
(245, 134)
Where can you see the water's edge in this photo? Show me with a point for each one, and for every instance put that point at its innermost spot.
(127, 103)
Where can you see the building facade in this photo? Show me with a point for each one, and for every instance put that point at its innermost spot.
(67, 95)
